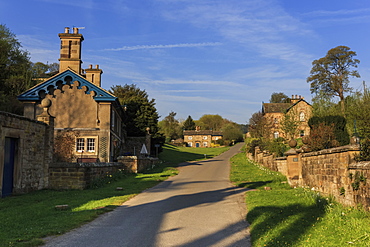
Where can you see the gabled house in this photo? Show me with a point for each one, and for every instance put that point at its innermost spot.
(299, 110)
(201, 138)
(79, 104)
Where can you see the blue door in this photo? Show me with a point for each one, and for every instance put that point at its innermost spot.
(197, 144)
(8, 172)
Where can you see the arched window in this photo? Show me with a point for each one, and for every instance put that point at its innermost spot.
(301, 116)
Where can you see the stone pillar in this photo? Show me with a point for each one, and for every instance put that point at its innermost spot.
(294, 166)
(49, 138)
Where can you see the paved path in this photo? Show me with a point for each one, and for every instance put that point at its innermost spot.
(199, 207)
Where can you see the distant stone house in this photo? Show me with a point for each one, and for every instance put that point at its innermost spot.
(79, 104)
(201, 138)
(299, 110)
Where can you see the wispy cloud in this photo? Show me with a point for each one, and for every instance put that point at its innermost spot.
(337, 12)
(185, 45)
(252, 24)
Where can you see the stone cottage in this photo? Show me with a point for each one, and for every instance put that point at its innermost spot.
(297, 108)
(201, 138)
(80, 106)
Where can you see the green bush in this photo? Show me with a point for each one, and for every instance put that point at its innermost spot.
(277, 147)
(339, 123)
(321, 137)
(364, 154)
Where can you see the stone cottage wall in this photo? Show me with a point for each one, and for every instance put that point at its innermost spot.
(33, 153)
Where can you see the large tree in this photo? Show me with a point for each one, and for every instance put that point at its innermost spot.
(279, 98)
(139, 109)
(330, 74)
(259, 126)
(211, 122)
(15, 71)
(232, 132)
(170, 127)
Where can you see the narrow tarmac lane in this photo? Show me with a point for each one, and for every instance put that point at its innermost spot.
(198, 207)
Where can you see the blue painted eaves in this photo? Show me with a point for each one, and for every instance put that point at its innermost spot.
(33, 94)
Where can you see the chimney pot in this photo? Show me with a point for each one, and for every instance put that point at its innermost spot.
(97, 66)
(90, 66)
(75, 30)
(66, 30)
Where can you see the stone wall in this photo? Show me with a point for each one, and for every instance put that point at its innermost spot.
(33, 153)
(135, 164)
(269, 161)
(331, 172)
(79, 175)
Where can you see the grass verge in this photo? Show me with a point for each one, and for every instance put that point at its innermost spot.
(26, 219)
(285, 216)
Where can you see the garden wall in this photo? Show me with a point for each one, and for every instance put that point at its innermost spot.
(135, 164)
(330, 172)
(82, 175)
(26, 149)
(79, 175)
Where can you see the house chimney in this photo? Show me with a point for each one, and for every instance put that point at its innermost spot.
(295, 99)
(94, 75)
(70, 50)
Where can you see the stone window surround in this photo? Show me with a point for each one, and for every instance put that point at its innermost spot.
(87, 144)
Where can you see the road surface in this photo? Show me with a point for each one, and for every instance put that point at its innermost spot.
(199, 207)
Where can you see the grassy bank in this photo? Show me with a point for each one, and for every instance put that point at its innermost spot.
(26, 219)
(284, 216)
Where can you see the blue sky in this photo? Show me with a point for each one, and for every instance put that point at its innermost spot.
(197, 57)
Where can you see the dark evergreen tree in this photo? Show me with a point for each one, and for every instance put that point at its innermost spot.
(189, 124)
(140, 111)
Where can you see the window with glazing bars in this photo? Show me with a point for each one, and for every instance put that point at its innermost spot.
(90, 144)
(80, 145)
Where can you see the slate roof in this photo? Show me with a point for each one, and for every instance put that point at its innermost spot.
(275, 107)
(61, 79)
(279, 107)
(203, 132)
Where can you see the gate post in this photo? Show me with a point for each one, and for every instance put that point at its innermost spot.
(294, 166)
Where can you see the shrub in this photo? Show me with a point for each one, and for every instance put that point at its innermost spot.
(364, 151)
(253, 144)
(277, 147)
(64, 144)
(321, 137)
(339, 124)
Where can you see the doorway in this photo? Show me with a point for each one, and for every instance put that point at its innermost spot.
(8, 171)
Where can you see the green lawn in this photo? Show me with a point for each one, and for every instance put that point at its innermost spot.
(26, 219)
(174, 155)
(284, 216)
